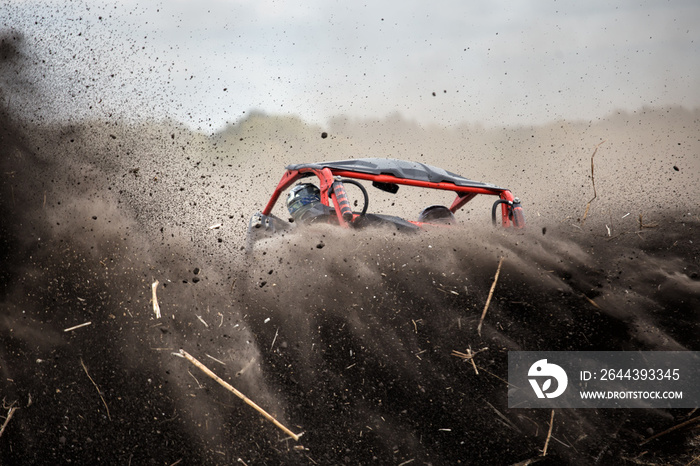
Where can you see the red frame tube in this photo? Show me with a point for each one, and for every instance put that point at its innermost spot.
(326, 175)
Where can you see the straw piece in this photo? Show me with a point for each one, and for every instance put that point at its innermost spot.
(214, 359)
(488, 300)
(70, 329)
(156, 307)
(549, 434)
(99, 392)
(502, 416)
(469, 356)
(595, 194)
(240, 395)
(10, 412)
(671, 429)
(591, 301)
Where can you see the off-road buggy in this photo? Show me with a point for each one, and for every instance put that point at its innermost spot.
(386, 175)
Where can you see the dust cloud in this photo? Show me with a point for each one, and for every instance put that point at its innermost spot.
(344, 336)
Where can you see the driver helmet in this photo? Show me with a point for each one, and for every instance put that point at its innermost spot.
(301, 198)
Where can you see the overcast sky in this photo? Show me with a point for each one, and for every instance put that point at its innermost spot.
(209, 62)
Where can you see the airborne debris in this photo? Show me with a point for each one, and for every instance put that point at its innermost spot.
(275, 339)
(156, 307)
(70, 329)
(488, 300)
(595, 194)
(10, 412)
(671, 429)
(240, 395)
(549, 434)
(591, 301)
(469, 356)
(643, 225)
(502, 416)
(99, 392)
(214, 359)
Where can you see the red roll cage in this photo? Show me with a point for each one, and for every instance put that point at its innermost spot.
(511, 211)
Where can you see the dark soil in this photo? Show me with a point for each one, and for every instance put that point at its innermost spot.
(350, 344)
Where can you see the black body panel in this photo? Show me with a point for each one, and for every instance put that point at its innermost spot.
(398, 168)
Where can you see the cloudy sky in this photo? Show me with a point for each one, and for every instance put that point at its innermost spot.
(209, 62)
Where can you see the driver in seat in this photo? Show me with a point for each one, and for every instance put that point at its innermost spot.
(304, 204)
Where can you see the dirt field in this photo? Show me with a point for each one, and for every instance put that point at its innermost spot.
(350, 343)
(347, 338)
